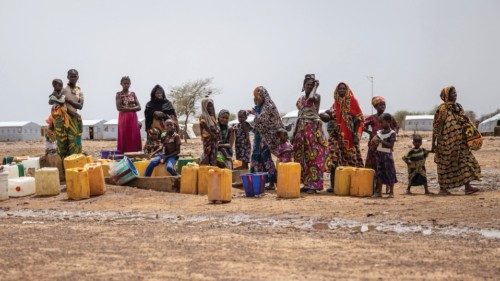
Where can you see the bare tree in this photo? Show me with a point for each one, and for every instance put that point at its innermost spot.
(186, 97)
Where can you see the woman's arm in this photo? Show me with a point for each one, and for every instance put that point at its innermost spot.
(118, 101)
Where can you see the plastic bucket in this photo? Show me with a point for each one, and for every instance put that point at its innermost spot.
(123, 171)
(254, 184)
(111, 154)
(7, 160)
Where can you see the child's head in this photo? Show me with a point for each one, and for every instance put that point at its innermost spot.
(379, 104)
(417, 141)
(242, 116)
(211, 108)
(223, 117)
(125, 82)
(57, 84)
(385, 120)
(282, 135)
(169, 125)
(160, 116)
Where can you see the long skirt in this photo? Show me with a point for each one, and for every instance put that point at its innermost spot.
(68, 138)
(262, 162)
(129, 136)
(209, 156)
(310, 149)
(385, 170)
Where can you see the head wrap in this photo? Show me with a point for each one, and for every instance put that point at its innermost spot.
(445, 93)
(307, 78)
(209, 119)
(58, 81)
(222, 112)
(377, 100)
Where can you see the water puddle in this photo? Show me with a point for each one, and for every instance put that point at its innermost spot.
(299, 223)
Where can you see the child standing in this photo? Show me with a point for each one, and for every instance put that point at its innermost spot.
(226, 141)
(415, 159)
(385, 171)
(243, 145)
(209, 132)
(285, 149)
(171, 150)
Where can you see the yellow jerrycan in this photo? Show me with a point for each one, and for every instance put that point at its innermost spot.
(203, 178)
(288, 180)
(77, 183)
(47, 181)
(160, 171)
(189, 179)
(75, 161)
(96, 179)
(89, 159)
(141, 166)
(362, 182)
(342, 182)
(220, 182)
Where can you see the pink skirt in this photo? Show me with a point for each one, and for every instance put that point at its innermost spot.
(129, 136)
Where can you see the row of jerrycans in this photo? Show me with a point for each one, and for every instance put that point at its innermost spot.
(215, 182)
(353, 181)
(84, 178)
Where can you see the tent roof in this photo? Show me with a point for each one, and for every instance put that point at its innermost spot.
(92, 122)
(419, 117)
(494, 118)
(15, 123)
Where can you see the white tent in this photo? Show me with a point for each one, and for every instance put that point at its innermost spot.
(93, 129)
(419, 122)
(488, 125)
(20, 131)
(250, 119)
(110, 131)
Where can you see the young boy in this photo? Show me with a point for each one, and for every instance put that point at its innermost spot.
(285, 148)
(57, 98)
(171, 150)
(415, 159)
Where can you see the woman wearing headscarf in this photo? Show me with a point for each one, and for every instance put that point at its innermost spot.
(266, 123)
(453, 137)
(127, 104)
(209, 132)
(308, 140)
(226, 141)
(159, 102)
(372, 125)
(346, 127)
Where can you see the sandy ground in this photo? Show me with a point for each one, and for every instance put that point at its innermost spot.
(138, 234)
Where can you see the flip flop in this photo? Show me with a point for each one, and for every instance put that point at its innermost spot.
(472, 190)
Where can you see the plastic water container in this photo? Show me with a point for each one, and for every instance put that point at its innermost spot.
(288, 185)
(47, 181)
(203, 178)
(96, 179)
(342, 184)
(106, 165)
(31, 165)
(160, 171)
(189, 179)
(111, 154)
(123, 171)
(89, 159)
(7, 160)
(219, 185)
(14, 170)
(22, 186)
(254, 184)
(77, 183)
(362, 182)
(4, 186)
(141, 166)
(183, 162)
(75, 161)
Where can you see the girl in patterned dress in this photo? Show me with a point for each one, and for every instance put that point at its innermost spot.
(243, 145)
(385, 171)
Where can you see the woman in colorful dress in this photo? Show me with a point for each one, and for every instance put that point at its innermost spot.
(69, 133)
(308, 140)
(372, 125)
(266, 123)
(226, 141)
(209, 133)
(127, 104)
(456, 166)
(243, 145)
(346, 126)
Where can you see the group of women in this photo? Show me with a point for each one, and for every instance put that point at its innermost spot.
(456, 165)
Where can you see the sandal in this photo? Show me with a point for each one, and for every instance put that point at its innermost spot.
(444, 192)
(329, 190)
(471, 190)
(312, 191)
(304, 189)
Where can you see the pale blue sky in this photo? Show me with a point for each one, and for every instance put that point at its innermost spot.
(413, 48)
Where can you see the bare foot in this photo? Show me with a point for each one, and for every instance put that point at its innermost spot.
(376, 195)
(408, 192)
(471, 190)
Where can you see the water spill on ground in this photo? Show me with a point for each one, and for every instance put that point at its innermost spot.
(300, 223)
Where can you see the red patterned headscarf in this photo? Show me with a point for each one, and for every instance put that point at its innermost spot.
(346, 110)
